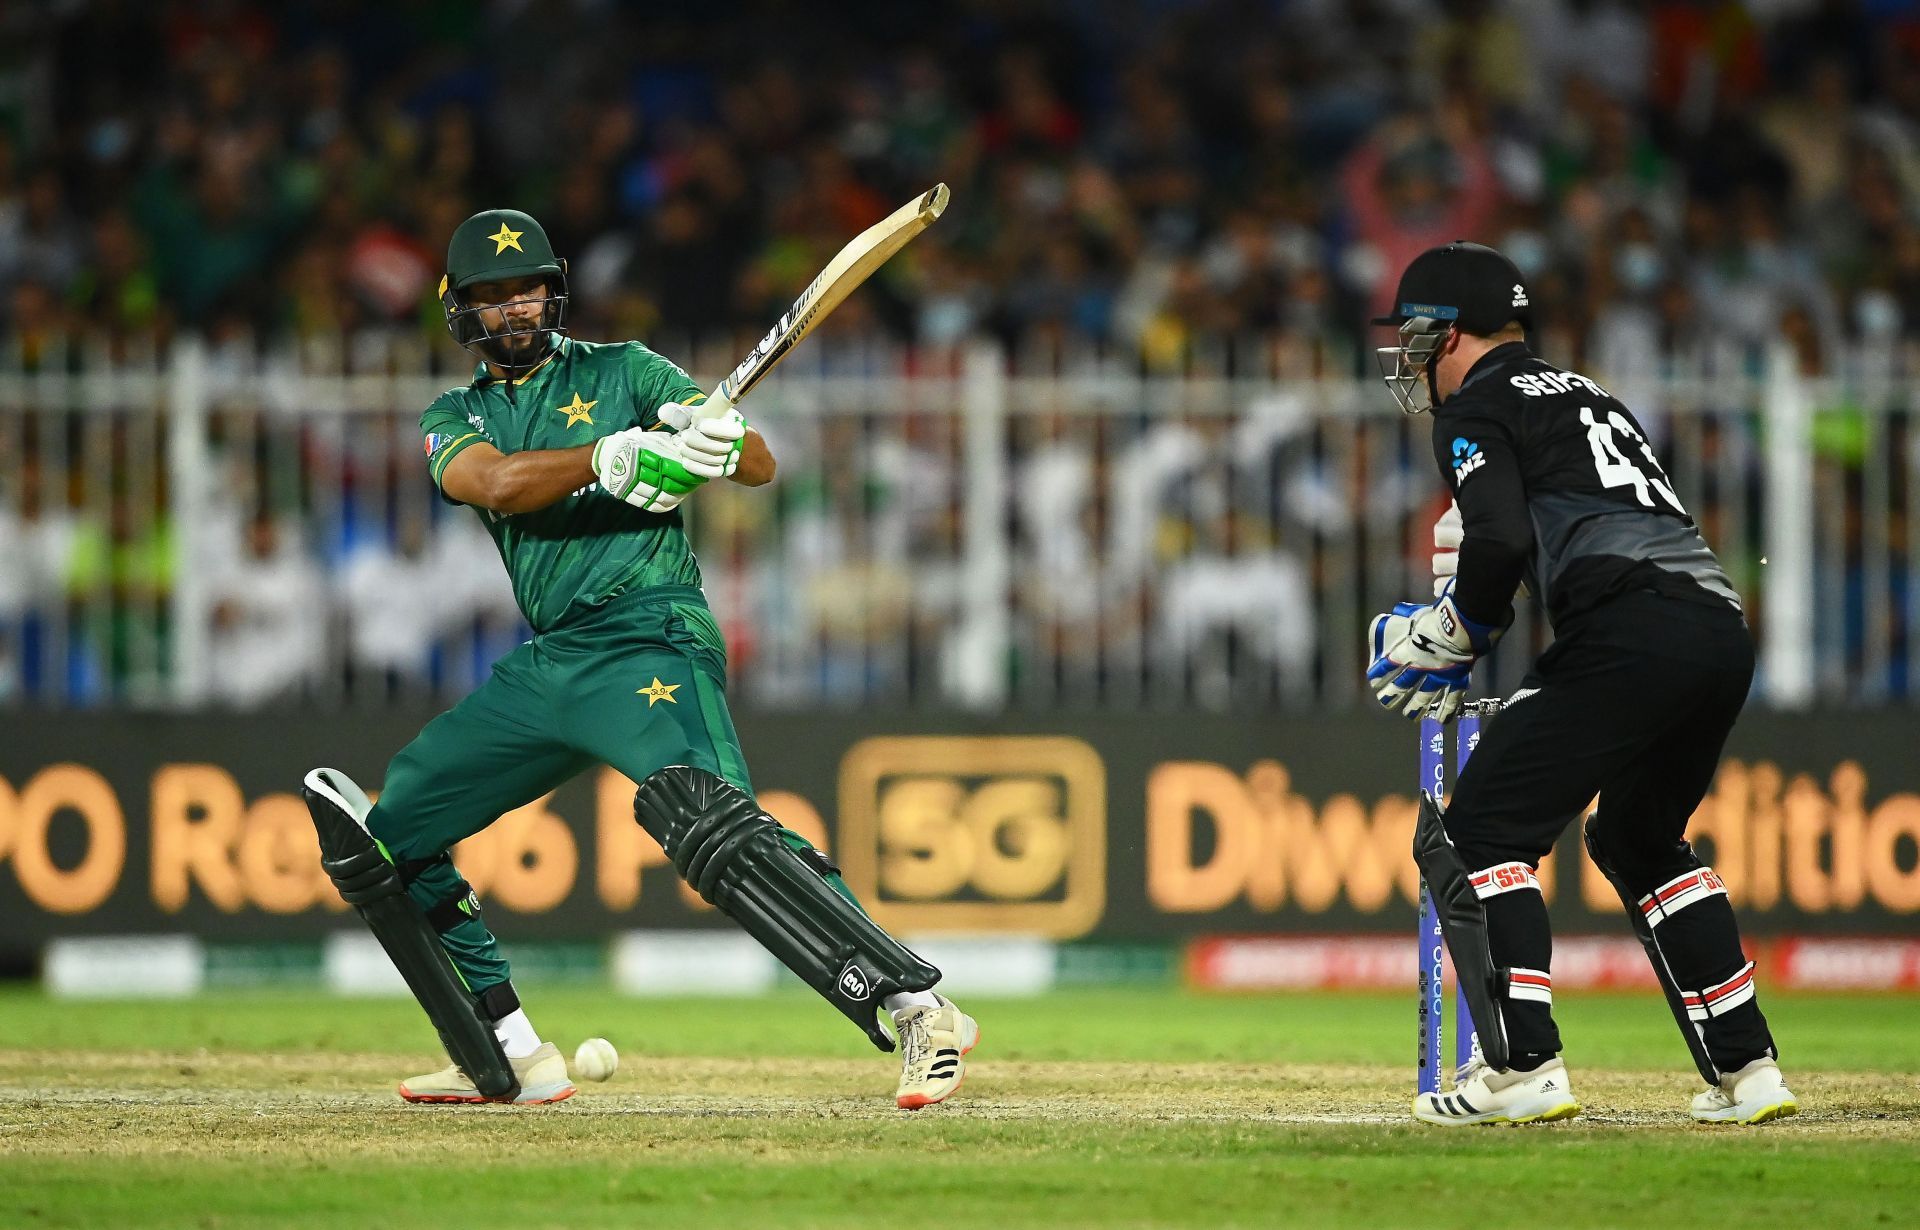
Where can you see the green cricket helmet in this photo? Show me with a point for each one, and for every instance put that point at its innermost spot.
(498, 245)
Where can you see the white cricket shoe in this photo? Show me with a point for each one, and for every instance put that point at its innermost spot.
(933, 1052)
(1482, 1095)
(542, 1075)
(1754, 1094)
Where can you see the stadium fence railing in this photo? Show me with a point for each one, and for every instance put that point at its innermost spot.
(953, 528)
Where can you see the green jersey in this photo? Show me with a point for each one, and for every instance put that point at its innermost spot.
(575, 554)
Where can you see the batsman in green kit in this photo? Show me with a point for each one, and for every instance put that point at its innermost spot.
(576, 457)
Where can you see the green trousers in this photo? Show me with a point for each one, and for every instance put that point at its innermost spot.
(639, 685)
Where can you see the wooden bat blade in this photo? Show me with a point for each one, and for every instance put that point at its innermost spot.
(851, 266)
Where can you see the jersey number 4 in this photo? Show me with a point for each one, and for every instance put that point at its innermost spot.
(1614, 466)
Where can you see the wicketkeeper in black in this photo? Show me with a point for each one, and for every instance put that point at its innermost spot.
(1557, 487)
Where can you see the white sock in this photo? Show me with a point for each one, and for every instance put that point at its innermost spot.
(910, 999)
(516, 1034)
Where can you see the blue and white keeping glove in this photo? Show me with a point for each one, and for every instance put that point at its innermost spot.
(1423, 656)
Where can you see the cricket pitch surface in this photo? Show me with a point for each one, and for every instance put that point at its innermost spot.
(1086, 1107)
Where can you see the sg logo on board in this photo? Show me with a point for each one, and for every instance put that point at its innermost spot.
(970, 833)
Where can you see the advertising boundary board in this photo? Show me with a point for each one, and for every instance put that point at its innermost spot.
(1152, 827)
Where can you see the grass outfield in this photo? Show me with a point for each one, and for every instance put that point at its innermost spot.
(1101, 1108)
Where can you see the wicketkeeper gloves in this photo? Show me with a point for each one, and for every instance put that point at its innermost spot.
(1423, 656)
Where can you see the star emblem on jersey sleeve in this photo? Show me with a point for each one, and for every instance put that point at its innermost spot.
(504, 239)
(659, 692)
(577, 413)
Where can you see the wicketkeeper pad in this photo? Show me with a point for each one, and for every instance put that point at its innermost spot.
(1463, 923)
(1644, 911)
(370, 883)
(740, 859)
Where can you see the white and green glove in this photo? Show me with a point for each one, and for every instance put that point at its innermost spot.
(647, 469)
(711, 445)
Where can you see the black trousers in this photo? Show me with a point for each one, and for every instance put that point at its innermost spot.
(1634, 705)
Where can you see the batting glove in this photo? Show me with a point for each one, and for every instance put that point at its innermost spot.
(647, 469)
(710, 443)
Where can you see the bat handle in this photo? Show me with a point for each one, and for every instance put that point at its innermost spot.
(716, 405)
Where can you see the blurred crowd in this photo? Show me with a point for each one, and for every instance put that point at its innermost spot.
(348, 582)
(1679, 177)
(1213, 187)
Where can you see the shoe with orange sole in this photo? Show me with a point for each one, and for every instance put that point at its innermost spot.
(542, 1075)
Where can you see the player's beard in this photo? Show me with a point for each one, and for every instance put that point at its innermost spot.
(519, 344)
(524, 344)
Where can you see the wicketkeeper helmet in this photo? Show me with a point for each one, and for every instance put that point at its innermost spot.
(1462, 285)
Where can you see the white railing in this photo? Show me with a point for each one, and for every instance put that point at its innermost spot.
(948, 529)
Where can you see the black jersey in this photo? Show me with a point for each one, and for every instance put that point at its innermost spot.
(1557, 485)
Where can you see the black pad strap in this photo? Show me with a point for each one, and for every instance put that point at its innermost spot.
(373, 886)
(498, 1000)
(410, 869)
(740, 859)
(1463, 924)
(446, 914)
(813, 854)
(1643, 931)
(363, 875)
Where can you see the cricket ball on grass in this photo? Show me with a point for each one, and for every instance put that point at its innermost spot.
(596, 1059)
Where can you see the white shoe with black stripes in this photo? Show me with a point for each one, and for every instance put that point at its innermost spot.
(933, 1052)
(1482, 1095)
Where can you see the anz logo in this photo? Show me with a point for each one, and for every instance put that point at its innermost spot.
(1467, 458)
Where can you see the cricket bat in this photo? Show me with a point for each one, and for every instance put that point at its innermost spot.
(854, 264)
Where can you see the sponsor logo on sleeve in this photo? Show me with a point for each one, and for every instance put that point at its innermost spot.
(1467, 458)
